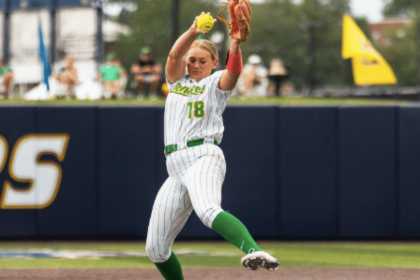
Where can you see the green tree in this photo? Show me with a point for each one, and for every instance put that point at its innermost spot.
(403, 51)
(401, 7)
(150, 25)
(400, 52)
(278, 29)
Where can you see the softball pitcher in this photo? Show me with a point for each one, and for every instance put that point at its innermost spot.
(196, 165)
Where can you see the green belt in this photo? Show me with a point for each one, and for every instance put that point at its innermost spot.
(174, 147)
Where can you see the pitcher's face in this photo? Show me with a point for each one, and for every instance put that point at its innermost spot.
(200, 63)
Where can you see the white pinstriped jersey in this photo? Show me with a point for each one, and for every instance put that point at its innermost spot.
(194, 110)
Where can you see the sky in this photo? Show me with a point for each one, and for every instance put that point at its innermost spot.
(372, 9)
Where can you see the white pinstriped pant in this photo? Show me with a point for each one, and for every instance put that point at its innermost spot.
(195, 182)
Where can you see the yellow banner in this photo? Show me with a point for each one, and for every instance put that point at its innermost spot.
(369, 67)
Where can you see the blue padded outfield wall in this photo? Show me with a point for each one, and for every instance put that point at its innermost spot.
(292, 172)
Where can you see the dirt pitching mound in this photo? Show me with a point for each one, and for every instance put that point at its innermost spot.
(214, 274)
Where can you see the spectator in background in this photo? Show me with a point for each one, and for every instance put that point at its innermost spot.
(146, 71)
(277, 73)
(254, 80)
(111, 73)
(123, 77)
(6, 77)
(67, 78)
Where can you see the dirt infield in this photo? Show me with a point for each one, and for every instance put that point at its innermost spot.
(215, 274)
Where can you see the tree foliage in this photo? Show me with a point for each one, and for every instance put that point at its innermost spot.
(400, 55)
(400, 52)
(279, 28)
(402, 47)
(282, 29)
(401, 7)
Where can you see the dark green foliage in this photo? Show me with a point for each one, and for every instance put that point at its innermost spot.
(401, 7)
(282, 29)
(151, 25)
(400, 53)
(401, 50)
(279, 29)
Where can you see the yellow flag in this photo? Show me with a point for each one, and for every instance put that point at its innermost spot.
(369, 67)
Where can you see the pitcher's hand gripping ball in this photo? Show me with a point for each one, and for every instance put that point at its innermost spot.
(205, 22)
(240, 16)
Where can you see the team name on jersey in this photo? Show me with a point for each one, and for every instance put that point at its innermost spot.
(187, 91)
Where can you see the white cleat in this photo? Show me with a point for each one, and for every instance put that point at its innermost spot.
(259, 259)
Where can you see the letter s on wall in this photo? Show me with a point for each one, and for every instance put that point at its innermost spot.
(44, 177)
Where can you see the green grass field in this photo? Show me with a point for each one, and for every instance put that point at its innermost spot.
(292, 101)
(290, 254)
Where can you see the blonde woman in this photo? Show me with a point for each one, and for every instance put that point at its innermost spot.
(196, 165)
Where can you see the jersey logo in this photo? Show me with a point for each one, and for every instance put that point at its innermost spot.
(187, 91)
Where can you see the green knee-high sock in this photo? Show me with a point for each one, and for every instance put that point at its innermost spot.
(171, 269)
(235, 232)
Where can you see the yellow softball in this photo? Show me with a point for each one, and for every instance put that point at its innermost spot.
(205, 22)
